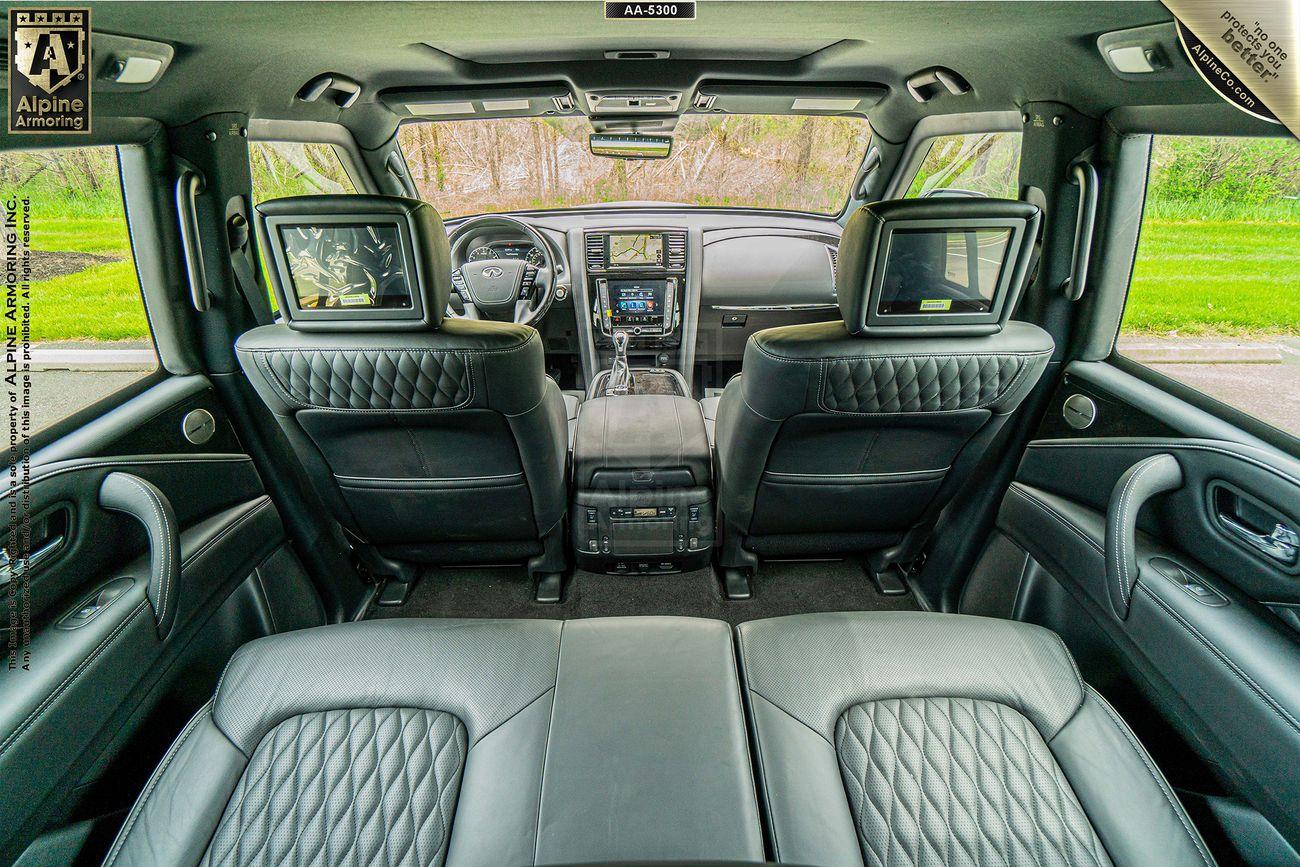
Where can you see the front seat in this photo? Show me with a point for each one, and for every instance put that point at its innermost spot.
(851, 436)
(431, 440)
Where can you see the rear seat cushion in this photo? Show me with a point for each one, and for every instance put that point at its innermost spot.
(709, 406)
(924, 738)
(424, 742)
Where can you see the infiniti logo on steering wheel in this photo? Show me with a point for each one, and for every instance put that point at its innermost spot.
(492, 272)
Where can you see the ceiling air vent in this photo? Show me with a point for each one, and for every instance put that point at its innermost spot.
(563, 104)
(703, 101)
(595, 252)
(676, 250)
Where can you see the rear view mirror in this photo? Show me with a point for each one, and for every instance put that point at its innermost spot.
(630, 146)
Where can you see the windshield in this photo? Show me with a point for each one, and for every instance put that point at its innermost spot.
(785, 162)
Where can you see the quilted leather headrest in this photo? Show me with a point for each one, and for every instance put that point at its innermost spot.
(387, 257)
(866, 245)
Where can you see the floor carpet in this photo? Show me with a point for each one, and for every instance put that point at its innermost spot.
(781, 588)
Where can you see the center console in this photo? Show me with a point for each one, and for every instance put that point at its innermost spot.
(636, 279)
(642, 485)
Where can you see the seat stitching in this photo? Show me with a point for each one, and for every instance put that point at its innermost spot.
(1160, 782)
(172, 753)
(1225, 659)
(546, 749)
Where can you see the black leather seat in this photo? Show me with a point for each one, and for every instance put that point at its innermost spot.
(417, 742)
(407, 743)
(978, 743)
(431, 441)
(844, 436)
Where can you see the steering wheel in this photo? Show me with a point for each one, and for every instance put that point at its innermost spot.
(504, 290)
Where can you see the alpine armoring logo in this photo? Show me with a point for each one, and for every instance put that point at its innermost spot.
(49, 59)
(1239, 40)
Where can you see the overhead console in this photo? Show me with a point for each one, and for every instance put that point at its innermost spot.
(635, 280)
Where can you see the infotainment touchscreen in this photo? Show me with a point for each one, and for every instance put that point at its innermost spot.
(643, 249)
(637, 302)
(943, 271)
(353, 266)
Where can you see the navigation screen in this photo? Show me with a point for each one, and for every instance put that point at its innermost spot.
(636, 249)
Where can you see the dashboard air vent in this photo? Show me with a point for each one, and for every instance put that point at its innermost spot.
(676, 250)
(834, 254)
(595, 252)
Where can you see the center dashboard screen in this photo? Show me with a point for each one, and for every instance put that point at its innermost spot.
(642, 249)
(637, 302)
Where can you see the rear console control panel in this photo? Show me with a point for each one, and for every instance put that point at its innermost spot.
(655, 530)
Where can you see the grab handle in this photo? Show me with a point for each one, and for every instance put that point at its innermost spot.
(188, 188)
(1084, 176)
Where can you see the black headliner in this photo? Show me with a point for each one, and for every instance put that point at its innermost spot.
(253, 57)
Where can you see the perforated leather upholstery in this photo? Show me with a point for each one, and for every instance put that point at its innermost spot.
(424, 742)
(977, 745)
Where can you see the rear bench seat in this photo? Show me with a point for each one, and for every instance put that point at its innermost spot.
(880, 738)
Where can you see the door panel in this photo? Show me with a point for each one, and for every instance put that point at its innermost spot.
(1193, 634)
(128, 634)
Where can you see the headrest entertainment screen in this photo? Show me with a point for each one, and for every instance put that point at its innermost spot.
(942, 271)
(346, 266)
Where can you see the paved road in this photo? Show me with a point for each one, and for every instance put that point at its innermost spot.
(57, 394)
(1267, 391)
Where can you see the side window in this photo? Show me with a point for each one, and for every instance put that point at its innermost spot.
(70, 281)
(987, 163)
(286, 168)
(1214, 300)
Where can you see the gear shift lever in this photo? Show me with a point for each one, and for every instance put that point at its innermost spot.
(620, 375)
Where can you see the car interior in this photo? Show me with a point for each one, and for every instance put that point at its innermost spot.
(458, 521)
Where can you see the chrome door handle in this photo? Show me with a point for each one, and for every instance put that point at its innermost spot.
(8, 565)
(1282, 544)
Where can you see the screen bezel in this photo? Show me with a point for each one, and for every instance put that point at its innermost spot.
(610, 264)
(288, 298)
(987, 321)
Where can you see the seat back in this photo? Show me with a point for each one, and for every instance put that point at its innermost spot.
(847, 436)
(431, 440)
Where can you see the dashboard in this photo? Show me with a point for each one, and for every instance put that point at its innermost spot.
(689, 285)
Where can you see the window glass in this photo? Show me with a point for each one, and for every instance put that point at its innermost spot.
(89, 335)
(1215, 295)
(787, 162)
(983, 162)
(287, 168)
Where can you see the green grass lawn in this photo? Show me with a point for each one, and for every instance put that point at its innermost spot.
(102, 302)
(1195, 277)
(1216, 279)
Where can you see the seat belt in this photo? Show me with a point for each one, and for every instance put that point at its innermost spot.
(239, 236)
